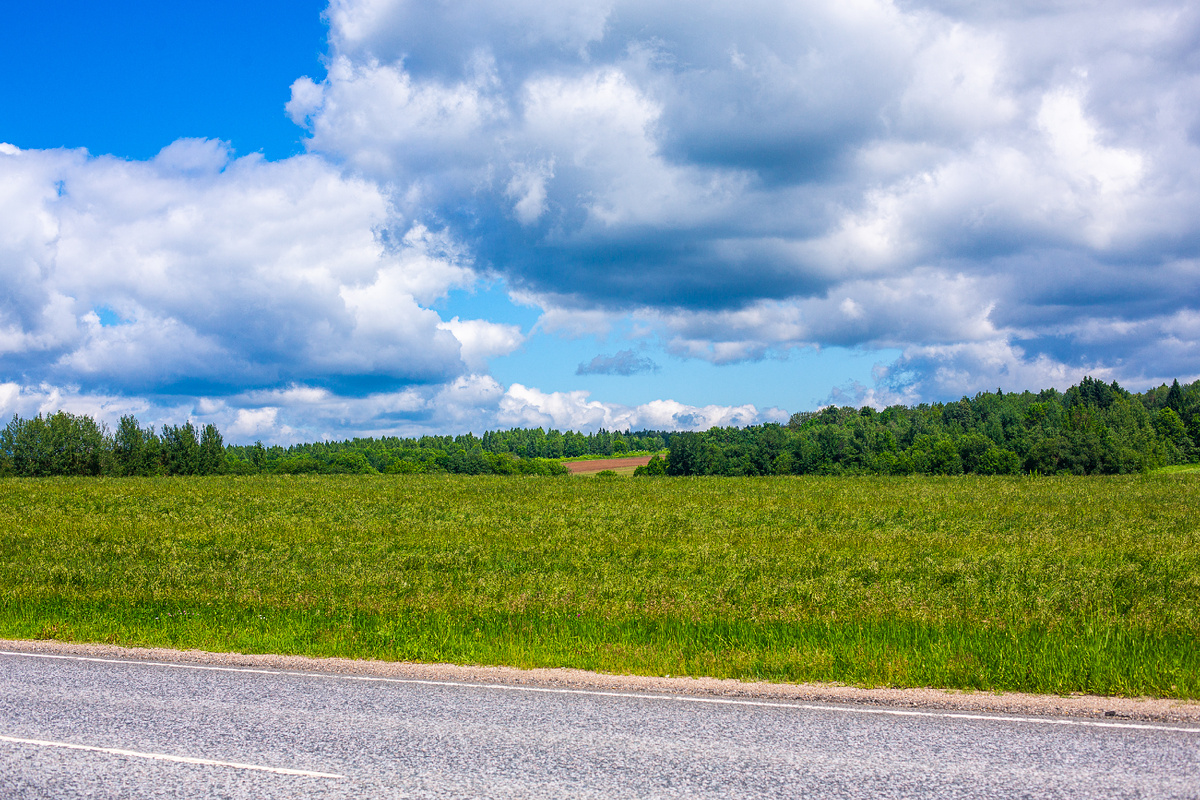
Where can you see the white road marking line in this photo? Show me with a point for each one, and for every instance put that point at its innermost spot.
(206, 762)
(894, 712)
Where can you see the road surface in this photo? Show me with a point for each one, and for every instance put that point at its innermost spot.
(74, 727)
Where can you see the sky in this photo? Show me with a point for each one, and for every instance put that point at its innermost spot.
(304, 220)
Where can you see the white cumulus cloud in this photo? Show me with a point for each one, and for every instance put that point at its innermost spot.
(798, 163)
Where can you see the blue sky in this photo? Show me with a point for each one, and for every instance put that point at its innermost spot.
(305, 220)
(129, 78)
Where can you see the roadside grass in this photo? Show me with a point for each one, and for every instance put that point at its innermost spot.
(1044, 585)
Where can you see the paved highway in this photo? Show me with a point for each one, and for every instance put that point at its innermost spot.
(73, 727)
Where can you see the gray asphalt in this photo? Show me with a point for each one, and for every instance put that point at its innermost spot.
(406, 739)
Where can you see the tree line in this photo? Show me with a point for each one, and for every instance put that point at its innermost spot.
(75, 444)
(457, 455)
(1092, 428)
(69, 444)
(518, 451)
(65, 444)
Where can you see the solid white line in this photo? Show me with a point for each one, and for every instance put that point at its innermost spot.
(206, 762)
(683, 698)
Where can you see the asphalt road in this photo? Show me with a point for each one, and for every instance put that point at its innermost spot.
(74, 727)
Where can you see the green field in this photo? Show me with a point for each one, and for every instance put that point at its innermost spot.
(1177, 468)
(618, 472)
(1046, 585)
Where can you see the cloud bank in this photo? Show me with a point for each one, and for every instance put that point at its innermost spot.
(280, 300)
(304, 413)
(940, 177)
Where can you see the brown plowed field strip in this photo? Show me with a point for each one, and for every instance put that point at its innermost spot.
(577, 467)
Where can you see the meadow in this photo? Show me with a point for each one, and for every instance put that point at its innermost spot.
(992, 583)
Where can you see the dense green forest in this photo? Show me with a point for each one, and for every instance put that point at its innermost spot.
(1092, 428)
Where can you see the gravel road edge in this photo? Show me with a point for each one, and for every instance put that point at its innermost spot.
(1089, 706)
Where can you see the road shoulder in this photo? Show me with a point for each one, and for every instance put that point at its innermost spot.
(1088, 706)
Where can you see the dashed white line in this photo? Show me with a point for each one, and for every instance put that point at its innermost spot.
(206, 762)
(894, 712)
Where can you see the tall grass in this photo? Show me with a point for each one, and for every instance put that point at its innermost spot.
(1049, 585)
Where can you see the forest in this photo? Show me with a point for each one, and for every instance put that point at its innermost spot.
(1092, 428)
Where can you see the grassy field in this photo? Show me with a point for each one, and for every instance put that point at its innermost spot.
(620, 472)
(1177, 468)
(1047, 585)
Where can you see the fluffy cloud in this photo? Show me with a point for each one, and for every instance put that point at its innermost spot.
(199, 270)
(526, 407)
(481, 340)
(936, 176)
(28, 401)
